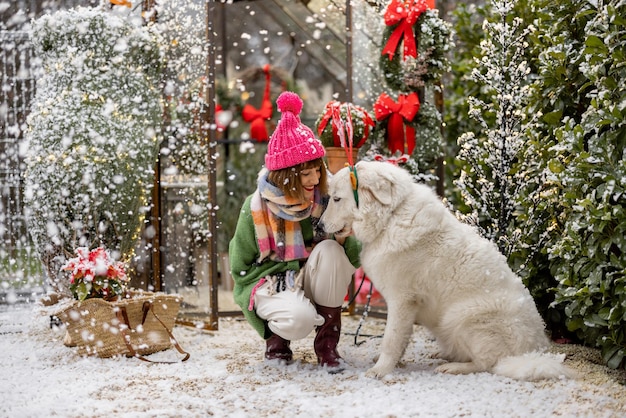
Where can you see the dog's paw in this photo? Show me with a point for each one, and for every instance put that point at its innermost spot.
(459, 368)
(375, 373)
(380, 370)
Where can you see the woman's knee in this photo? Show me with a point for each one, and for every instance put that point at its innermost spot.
(328, 245)
(295, 322)
(288, 313)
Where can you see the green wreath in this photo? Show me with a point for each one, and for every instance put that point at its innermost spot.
(428, 138)
(429, 145)
(434, 39)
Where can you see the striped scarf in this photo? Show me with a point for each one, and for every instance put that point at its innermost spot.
(277, 221)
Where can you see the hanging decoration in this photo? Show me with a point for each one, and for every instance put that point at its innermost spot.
(276, 80)
(401, 16)
(219, 118)
(395, 160)
(345, 131)
(398, 114)
(257, 117)
(411, 72)
(328, 133)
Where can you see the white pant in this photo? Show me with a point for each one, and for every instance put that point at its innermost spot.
(291, 314)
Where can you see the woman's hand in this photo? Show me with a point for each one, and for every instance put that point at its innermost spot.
(341, 238)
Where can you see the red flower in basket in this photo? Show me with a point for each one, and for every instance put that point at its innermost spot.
(95, 274)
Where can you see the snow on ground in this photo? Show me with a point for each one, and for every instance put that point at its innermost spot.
(227, 377)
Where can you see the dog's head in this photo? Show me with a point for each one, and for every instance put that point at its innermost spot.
(380, 188)
(339, 214)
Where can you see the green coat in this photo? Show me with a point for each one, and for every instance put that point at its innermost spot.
(243, 251)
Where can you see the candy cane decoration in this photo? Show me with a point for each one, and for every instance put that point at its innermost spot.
(347, 130)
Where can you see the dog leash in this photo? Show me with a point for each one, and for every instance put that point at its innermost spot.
(356, 293)
(365, 314)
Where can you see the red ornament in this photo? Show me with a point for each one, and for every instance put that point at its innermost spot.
(404, 110)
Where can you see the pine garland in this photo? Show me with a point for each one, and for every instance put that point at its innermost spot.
(434, 42)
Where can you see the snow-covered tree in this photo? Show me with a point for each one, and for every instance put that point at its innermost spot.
(92, 133)
(488, 182)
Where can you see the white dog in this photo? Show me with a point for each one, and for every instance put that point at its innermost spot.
(437, 271)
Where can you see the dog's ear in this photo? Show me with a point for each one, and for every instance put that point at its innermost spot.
(375, 184)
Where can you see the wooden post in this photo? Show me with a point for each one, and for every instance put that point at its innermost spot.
(349, 91)
(209, 128)
(349, 94)
(147, 7)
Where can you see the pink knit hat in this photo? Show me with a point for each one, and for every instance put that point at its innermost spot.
(292, 142)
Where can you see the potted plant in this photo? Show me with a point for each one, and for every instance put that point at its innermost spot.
(343, 127)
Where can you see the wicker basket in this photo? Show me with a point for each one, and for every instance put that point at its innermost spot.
(132, 326)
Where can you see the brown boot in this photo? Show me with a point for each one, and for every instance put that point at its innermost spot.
(277, 348)
(327, 338)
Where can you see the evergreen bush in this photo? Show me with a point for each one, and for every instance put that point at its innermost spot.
(569, 219)
(587, 258)
(92, 133)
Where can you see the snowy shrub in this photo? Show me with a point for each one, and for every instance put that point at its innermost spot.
(467, 22)
(92, 133)
(489, 182)
(573, 219)
(567, 224)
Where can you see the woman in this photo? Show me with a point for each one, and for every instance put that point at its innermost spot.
(290, 277)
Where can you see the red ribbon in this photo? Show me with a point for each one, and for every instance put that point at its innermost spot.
(404, 14)
(392, 160)
(326, 117)
(257, 117)
(399, 138)
(329, 110)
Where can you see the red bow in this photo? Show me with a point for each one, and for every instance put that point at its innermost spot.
(404, 13)
(398, 138)
(257, 117)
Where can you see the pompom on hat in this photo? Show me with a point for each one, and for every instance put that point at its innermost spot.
(292, 142)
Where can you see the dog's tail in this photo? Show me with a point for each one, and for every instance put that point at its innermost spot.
(534, 366)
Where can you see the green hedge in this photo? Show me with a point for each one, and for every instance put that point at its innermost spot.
(571, 219)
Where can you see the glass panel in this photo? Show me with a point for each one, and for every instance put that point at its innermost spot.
(184, 191)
